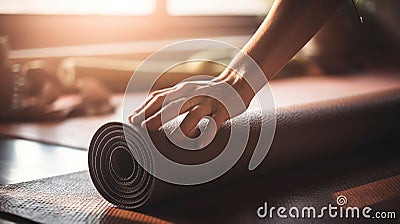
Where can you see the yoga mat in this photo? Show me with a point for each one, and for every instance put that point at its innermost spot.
(68, 198)
(304, 133)
(72, 198)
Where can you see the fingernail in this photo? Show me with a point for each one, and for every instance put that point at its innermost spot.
(131, 117)
(147, 124)
(192, 133)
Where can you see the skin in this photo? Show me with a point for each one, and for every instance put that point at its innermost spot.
(289, 25)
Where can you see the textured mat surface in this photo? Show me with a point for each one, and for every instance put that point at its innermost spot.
(72, 198)
(68, 198)
(336, 126)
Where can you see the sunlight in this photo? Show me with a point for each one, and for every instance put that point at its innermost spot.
(220, 7)
(78, 7)
(134, 7)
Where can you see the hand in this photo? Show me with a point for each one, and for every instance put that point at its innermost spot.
(221, 98)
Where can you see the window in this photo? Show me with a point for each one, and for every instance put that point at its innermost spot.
(219, 7)
(78, 7)
(136, 7)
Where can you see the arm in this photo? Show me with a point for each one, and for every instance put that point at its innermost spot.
(288, 27)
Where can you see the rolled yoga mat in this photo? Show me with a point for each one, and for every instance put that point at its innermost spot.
(304, 133)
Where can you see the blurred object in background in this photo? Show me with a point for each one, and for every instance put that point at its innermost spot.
(4, 51)
(297, 66)
(96, 98)
(344, 44)
(111, 71)
(32, 92)
(106, 40)
(40, 82)
(219, 7)
(6, 78)
(382, 31)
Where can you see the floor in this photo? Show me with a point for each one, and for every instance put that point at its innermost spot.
(24, 160)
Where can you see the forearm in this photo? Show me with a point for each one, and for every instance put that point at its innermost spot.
(289, 25)
(286, 29)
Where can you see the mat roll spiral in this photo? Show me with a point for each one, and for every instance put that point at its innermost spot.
(114, 170)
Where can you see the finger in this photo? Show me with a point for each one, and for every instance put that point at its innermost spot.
(179, 91)
(195, 115)
(219, 118)
(134, 114)
(161, 98)
(170, 111)
(149, 98)
(153, 106)
(133, 118)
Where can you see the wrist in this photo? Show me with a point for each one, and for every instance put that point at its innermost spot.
(239, 83)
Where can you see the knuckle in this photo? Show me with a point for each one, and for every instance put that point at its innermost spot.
(194, 115)
(190, 103)
(210, 100)
(200, 111)
(159, 97)
(154, 93)
(185, 85)
(176, 102)
(172, 105)
(202, 90)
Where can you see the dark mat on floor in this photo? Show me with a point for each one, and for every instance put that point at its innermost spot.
(368, 179)
(68, 198)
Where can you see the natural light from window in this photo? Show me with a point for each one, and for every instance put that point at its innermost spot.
(135, 7)
(78, 7)
(219, 7)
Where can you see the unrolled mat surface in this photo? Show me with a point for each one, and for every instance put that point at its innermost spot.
(304, 133)
(367, 179)
(68, 198)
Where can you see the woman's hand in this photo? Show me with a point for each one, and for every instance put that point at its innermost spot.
(221, 98)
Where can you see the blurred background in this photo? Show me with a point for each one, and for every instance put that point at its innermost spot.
(90, 48)
(65, 64)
